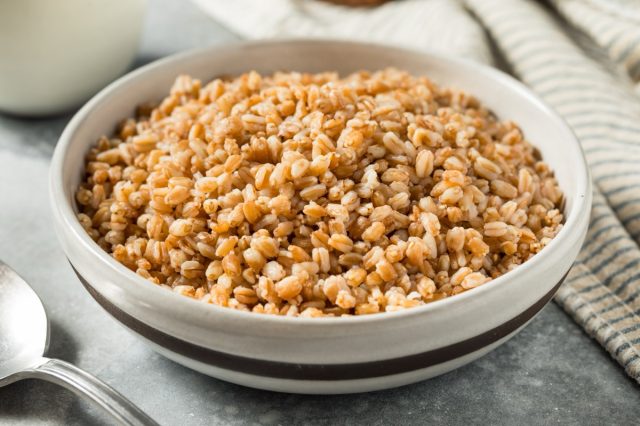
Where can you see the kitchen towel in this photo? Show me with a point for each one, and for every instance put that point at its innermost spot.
(581, 56)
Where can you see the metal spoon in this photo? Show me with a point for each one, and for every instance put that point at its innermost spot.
(24, 337)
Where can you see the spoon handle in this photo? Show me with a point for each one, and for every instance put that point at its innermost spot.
(86, 385)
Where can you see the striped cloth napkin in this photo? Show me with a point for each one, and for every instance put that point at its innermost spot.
(581, 56)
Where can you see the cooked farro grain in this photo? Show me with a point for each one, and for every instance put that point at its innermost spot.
(311, 195)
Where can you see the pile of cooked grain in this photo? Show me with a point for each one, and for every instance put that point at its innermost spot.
(313, 195)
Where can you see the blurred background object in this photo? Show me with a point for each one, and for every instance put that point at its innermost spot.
(358, 2)
(56, 54)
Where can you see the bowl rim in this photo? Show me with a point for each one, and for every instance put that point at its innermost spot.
(65, 217)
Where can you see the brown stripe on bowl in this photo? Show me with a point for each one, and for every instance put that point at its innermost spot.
(351, 371)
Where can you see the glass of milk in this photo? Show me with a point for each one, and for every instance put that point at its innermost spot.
(55, 54)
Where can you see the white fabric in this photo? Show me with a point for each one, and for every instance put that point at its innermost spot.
(437, 24)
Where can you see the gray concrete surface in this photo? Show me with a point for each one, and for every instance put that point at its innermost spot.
(551, 373)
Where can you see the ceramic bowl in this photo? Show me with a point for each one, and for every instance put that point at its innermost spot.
(331, 355)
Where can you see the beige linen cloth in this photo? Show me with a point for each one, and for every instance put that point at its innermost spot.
(581, 56)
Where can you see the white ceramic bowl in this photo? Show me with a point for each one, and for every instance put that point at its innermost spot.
(333, 355)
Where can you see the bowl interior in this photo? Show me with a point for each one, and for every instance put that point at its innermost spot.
(506, 97)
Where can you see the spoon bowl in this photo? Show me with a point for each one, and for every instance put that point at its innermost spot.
(24, 328)
(24, 337)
